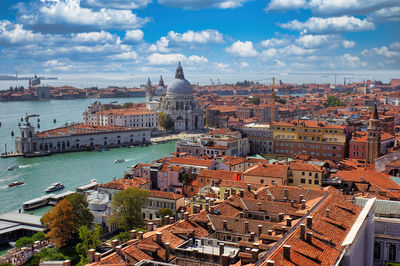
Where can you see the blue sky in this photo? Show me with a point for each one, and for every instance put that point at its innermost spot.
(121, 37)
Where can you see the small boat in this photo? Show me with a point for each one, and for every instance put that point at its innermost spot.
(119, 161)
(16, 183)
(35, 203)
(54, 187)
(11, 168)
(105, 149)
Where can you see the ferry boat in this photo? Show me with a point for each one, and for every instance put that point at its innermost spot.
(14, 167)
(54, 187)
(16, 183)
(35, 203)
(119, 161)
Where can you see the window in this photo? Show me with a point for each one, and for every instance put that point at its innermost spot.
(291, 181)
(377, 251)
(262, 181)
(303, 181)
(309, 181)
(316, 182)
(392, 252)
(309, 174)
(303, 173)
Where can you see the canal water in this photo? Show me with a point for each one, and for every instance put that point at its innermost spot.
(72, 169)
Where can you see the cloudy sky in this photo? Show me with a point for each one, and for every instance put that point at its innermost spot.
(78, 37)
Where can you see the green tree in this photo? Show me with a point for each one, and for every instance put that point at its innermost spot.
(165, 121)
(255, 100)
(24, 242)
(60, 221)
(333, 101)
(122, 237)
(90, 239)
(127, 105)
(39, 236)
(127, 206)
(80, 209)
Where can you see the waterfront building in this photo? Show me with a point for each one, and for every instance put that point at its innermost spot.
(138, 116)
(178, 104)
(313, 138)
(77, 137)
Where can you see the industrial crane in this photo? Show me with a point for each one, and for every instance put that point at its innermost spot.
(29, 116)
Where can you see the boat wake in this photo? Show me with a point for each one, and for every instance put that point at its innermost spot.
(10, 178)
(27, 165)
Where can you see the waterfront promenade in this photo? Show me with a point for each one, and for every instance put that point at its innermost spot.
(180, 136)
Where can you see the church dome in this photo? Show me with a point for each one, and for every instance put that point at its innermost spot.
(179, 85)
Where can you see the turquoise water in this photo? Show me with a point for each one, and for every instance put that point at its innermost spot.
(72, 169)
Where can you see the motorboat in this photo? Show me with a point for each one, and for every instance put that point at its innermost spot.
(119, 161)
(13, 167)
(35, 203)
(54, 187)
(16, 183)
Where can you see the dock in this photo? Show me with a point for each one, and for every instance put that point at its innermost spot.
(54, 199)
(14, 225)
(11, 154)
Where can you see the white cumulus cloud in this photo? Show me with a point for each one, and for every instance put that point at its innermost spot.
(329, 25)
(69, 15)
(201, 4)
(118, 4)
(15, 34)
(133, 35)
(172, 59)
(205, 36)
(242, 49)
(283, 5)
(273, 42)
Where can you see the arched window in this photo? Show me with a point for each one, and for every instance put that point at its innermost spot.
(30, 134)
(177, 106)
(182, 107)
(377, 251)
(23, 135)
(392, 252)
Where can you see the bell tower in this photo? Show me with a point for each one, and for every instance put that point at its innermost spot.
(373, 136)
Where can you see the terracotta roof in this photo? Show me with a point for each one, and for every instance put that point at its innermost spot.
(268, 170)
(305, 167)
(124, 183)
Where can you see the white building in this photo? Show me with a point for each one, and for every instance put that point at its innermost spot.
(77, 137)
(121, 117)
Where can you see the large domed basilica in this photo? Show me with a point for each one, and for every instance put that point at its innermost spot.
(179, 104)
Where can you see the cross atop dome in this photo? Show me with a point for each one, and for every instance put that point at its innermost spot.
(179, 72)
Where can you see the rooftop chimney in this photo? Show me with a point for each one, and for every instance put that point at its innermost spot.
(241, 193)
(186, 215)
(91, 255)
(301, 198)
(167, 251)
(150, 227)
(171, 220)
(286, 252)
(133, 234)
(248, 187)
(97, 257)
(289, 221)
(255, 195)
(259, 206)
(309, 237)
(309, 221)
(270, 263)
(159, 238)
(225, 224)
(260, 227)
(246, 227)
(252, 237)
(269, 197)
(281, 216)
(114, 244)
(303, 204)
(269, 232)
(140, 235)
(302, 231)
(118, 249)
(254, 255)
(286, 193)
(328, 212)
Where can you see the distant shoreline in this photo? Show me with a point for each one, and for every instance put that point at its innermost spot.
(11, 78)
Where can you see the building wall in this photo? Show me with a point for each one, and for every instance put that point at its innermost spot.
(358, 150)
(387, 236)
(305, 178)
(263, 180)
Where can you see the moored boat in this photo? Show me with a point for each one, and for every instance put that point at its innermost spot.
(119, 161)
(16, 183)
(13, 167)
(35, 203)
(54, 187)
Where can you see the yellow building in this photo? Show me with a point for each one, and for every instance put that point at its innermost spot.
(312, 138)
(307, 175)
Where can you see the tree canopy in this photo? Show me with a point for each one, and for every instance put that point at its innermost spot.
(61, 223)
(254, 100)
(165, 121)
(83, 217)
(333, 101)
(127, 206)
(90, 239)
(127, 105)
